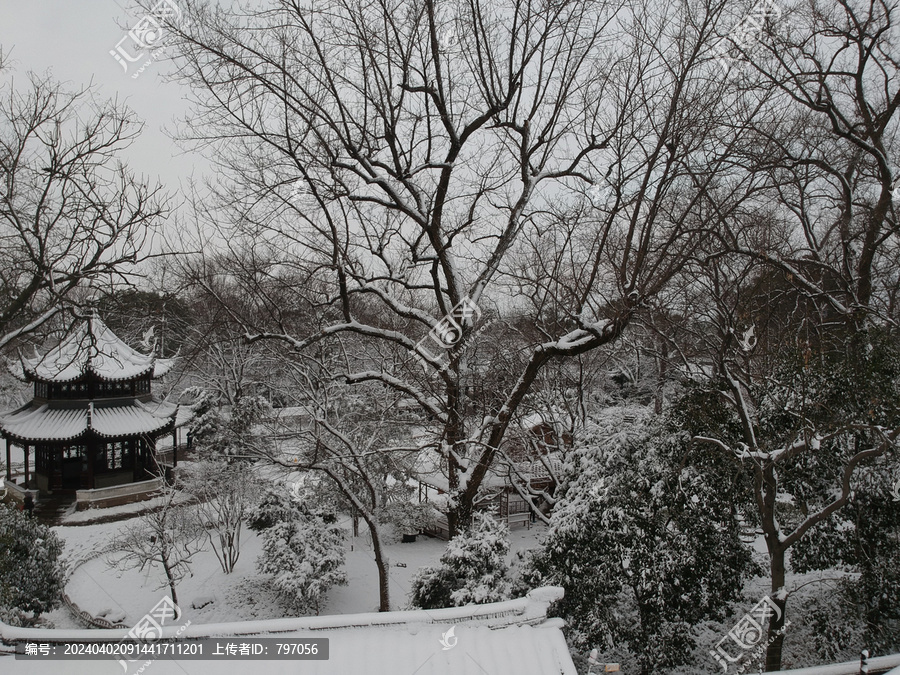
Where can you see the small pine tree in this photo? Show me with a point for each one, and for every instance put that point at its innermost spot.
(305, 557)
(472, 571)
(31, 573)
(218, 433)
(274, 507)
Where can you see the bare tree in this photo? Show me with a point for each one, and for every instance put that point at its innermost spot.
(71, 213)
(353, 440)
(169, 537)
(826, 211)
(401, 158)
(223, 492)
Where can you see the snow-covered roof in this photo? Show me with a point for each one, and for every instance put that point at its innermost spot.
(92, 347)
(44, 423)
(504, 638)
(531, 420)
(184, 415)
(429, 470)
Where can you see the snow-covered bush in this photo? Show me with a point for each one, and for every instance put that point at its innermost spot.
(472, 570)
(31, 573)
(305, 557)
(278, 505)
(862, 538)
(216, 432)
(645, 546)
(275, 506)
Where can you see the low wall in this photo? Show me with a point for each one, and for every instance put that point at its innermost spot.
(441, 529)
(16, 493)
(117, 495)
(113, 479)
(877, 664)
(530, 610)
(85, 617)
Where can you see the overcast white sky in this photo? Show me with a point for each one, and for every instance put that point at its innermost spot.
(72, 39)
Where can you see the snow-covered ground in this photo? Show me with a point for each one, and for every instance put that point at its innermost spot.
(242, 595)
(126, 596)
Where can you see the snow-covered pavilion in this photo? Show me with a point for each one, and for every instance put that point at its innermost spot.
(93, 422)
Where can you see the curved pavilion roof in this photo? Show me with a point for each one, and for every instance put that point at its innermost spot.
(40, 422)
(93, 348)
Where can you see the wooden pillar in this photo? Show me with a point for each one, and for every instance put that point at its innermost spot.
(54, 471)
(8, 460)
(27, 447)
(91, 457)
(174, 448)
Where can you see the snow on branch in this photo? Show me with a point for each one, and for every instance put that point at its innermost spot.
(398, 307)
(582, 337)
(815, 518)
(421, 397)
(27, 328)
(346, 327)
(799, 278)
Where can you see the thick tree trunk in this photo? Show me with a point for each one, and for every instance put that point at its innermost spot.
(384, 598)
(457, 518)
(776, 623)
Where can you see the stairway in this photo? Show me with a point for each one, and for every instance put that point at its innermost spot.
(50, 509)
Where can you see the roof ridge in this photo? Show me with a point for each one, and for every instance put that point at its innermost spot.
(91, 346)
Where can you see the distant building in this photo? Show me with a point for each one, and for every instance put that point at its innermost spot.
(93, 422)
(534, 450)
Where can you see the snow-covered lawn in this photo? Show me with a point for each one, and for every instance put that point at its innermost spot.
(242, 595)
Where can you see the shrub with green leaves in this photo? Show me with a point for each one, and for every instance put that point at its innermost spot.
(305, 557)
(472, 571)
(645, 545)
(32, 575)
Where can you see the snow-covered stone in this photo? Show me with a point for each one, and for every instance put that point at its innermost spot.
(202, 601)
(115, 616)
